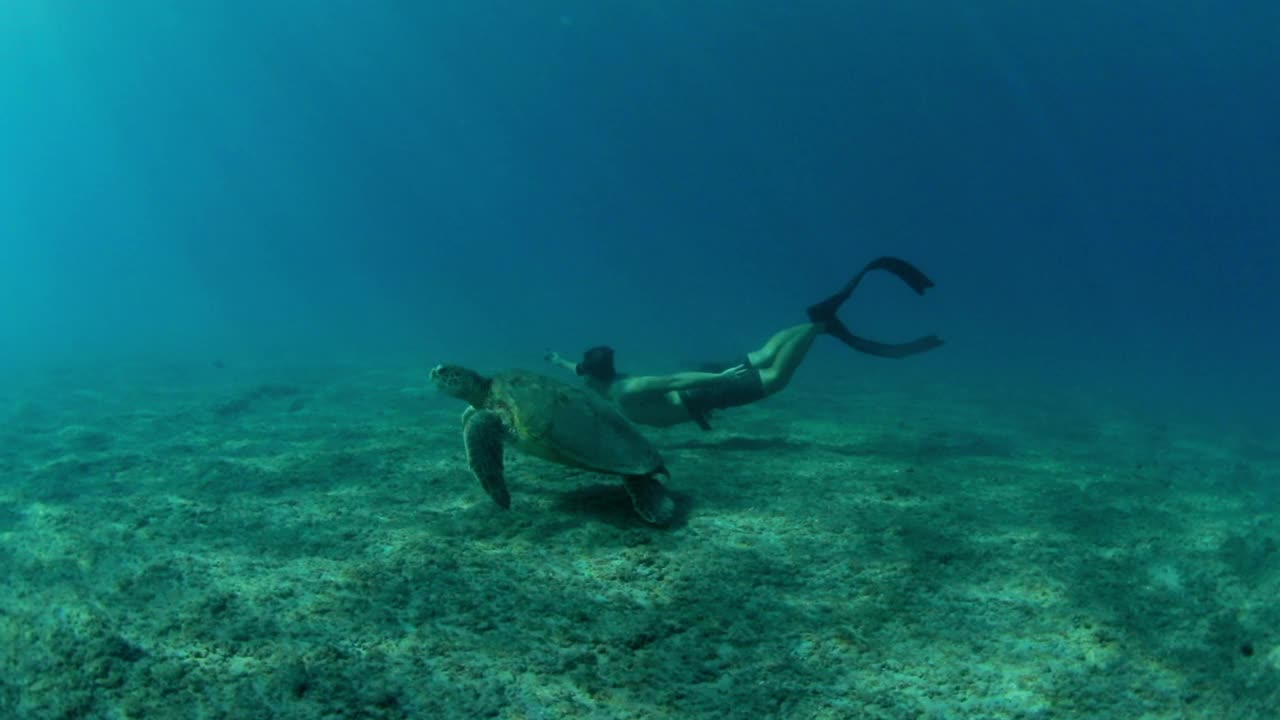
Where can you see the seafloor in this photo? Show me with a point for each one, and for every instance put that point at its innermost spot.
(228, 543)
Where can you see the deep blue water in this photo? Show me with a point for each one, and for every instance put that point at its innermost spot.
(1093, 185)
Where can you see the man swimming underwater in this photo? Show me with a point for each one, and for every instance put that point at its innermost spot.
(665, 400)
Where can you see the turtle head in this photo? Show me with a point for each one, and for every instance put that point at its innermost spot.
(461, 383)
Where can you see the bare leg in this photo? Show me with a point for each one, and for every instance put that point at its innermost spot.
(789, 348)
(764, 357)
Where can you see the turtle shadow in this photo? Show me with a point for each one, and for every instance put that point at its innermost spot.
(742, 442)
(935, 446)
(609, 503)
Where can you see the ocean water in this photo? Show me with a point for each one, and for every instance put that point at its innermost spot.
(235, 236)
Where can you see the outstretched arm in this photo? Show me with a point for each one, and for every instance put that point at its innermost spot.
(681, 380)
(554, 358)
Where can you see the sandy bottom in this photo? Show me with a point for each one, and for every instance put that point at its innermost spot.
(235, 544)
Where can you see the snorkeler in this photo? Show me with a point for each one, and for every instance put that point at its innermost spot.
(665, 400)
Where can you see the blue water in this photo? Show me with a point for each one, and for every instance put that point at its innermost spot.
(1091, 184)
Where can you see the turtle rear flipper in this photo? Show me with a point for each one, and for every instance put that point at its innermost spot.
(650, 498)
(483, 432)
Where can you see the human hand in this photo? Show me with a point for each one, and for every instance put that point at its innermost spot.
(735, 372)
(551, 356)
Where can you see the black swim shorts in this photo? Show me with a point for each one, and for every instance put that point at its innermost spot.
(743, 390)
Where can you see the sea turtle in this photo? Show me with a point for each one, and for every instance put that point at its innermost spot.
(555, 421)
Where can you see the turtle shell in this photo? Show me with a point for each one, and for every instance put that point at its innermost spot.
(571, 425)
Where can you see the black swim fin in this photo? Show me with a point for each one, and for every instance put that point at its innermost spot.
(825, 311)
(908, 273)
(837, 329)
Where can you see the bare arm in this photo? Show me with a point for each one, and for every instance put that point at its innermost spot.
(554, 358)
(681, 380)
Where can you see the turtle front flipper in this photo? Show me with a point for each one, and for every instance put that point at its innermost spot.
(650, 497)
(482, 433)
